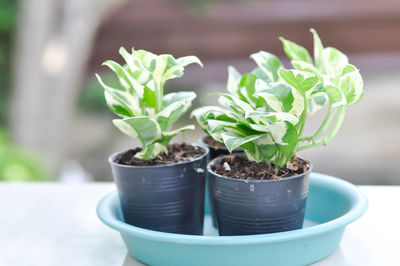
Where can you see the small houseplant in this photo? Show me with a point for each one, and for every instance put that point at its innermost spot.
(264, 115)
(160, 185)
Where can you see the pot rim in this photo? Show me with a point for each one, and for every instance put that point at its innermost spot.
(112, 157)
(286, 179)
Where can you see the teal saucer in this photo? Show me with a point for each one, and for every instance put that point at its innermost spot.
(332, 204)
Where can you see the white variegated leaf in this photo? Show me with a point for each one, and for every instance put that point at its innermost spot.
(151, 151)
(316, 101)
(275, 116)
(336, 96)
(169, 98)
(351, 84)
(233, 80)
(300, 80)
(271, 100)
(146, 129)
(295, 51)
(318, 52)
(233, 141)
(268, 63)
(170, 114)
(120, 102)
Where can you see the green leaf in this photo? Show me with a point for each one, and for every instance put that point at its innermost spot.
(318, 51)
(336, 96)
(274, 116)
(234, 102)
(261, 75)
(300, 80)
(271, 101)
(125, 78)
(144, 60)
(149, 98)
(233, 80)
(120, 102)
(295, 51)
(233, 140)
(170, 114)
(214, 126)
(278, 131)
(351, 84)
(306, 67)
(267, 151)
(334, 62)
(205, 113)
(289, 139)
(168, 135)
(316, 101)
(151, 151)
(187, 60)
(268, 63)
(247, 88)
(145, 128)
(283, 93)
(170, 98)
(139, 64)
(167, 67)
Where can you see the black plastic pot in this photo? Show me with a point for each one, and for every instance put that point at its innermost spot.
(167, 198)
(213, 153)
(248, 207)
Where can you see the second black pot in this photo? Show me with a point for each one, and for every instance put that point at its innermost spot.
(214, 152)
(248, 207)
(167, 198)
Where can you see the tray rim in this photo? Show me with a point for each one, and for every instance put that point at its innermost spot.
(359, 206)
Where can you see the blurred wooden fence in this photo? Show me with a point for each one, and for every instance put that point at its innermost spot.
(223, 31)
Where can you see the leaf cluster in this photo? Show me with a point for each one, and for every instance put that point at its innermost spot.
(265, 111)
(145, 112)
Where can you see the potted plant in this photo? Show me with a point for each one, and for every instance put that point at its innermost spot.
(235, 86)
(265, 190)
(160, 185)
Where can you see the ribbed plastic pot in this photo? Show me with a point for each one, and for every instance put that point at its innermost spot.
(248, 207)
(212, 154)
(167, 198)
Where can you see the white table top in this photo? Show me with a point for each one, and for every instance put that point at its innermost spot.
(56, 224)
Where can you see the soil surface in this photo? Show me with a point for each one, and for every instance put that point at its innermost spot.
(177, 152)
(241, 168)
(213, 143)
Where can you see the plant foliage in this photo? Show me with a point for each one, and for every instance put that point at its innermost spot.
(265, 111)
(145, 112)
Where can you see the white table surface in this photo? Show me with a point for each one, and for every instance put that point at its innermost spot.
(56, 224)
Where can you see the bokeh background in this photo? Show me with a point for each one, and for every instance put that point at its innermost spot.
(54, 122)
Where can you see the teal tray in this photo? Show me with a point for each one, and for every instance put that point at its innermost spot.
(332, 204)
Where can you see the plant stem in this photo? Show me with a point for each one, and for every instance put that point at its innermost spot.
(303, 116)
(324, 126)
(159, 95)
(332, 133)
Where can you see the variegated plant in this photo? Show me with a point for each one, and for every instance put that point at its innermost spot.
(340, 85)
(145, 112)
(266, 110)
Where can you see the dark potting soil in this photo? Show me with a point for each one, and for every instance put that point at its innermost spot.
(177, 152)
(241, 168)
(213, 143)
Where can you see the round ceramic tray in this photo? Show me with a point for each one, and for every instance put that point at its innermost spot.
(331, 205)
